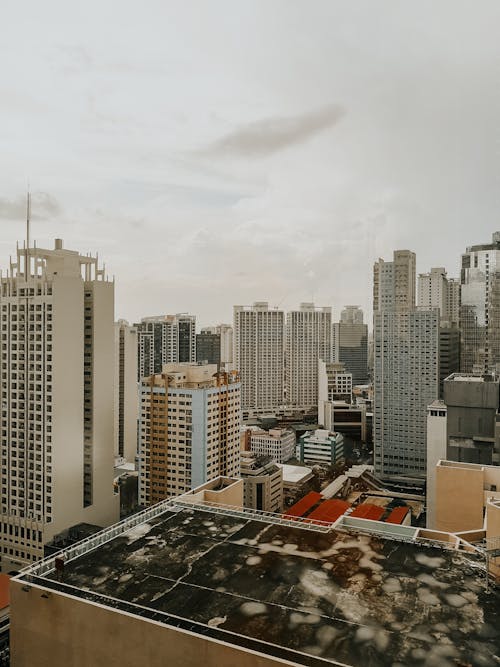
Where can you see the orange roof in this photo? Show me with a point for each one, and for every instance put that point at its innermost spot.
(4, 591)
(304, 504)
(330, 510)
(397, 515)
(367, 511)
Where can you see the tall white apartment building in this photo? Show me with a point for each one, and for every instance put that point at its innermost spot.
(225, 331)
(480, 308)
(433, 290)
(277, 443)
(56, 394)
(126, 390)
(308, 339)
(165, 339)
(406, 369)
(259, 354)
(189, 429)
(394, 282)
(454, 300)
(436, 290)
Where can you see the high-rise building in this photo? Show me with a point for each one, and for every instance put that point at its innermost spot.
(56, 393)
(433, 291)
(406, 371)
(473, 420)
(394, 282)
(165, 339)
(126, 390)
(259, 355)
(308, 339)
(189, 429)
(350, 337)
(480, 308)
(453, 301)
(436, 290)
(208, 347)
(334, 383)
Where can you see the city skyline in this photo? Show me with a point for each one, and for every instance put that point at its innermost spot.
(246, 161)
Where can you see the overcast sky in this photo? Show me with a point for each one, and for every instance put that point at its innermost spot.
(223, 152)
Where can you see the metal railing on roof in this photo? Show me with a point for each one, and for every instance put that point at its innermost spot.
(257, 515)
(46, 565)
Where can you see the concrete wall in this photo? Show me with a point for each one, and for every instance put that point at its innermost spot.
(459, 497)
(60, 631)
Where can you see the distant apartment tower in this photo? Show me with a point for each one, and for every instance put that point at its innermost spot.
(215, 345)
(208, 346)
(480, 308)
(56, 394)
(394, 282)
(308, 339)
(126, 390)
(277, 443)
(351, 343)
(189, 429)
(436, 290)
(406, 371)
(259, 354)
(334, 382)
(165, 339)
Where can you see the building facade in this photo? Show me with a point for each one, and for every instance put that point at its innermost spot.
(259, 356)
(208, 347)
(126, 390)
(351, 343)
(308, 339)
(189, 429)
(406, 369)
(57, 347)
(480, 308)
(277, 443)
(321, 446)
(165, 339)
(263, 483)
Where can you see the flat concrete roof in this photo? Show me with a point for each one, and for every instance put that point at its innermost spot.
(301, 594)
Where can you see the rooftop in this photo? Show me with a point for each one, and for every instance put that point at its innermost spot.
(302, 592)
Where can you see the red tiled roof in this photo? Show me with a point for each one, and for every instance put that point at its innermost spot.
(329, 510)
(367, 511)
(304, 504)
(397, 515)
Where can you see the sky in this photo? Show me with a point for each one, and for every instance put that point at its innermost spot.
(225, 152)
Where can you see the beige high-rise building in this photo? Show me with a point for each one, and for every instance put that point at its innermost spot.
(308, 339)
(126, 390)
(394, 282)
(189, 429)
(259, 356)
(406, 368)
(436, 290)
(56, 394)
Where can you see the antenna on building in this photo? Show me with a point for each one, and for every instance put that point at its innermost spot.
(28, 215)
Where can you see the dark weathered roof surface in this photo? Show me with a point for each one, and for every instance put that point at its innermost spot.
(354, 599)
